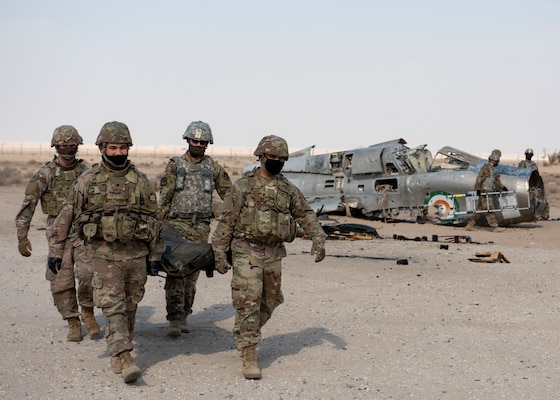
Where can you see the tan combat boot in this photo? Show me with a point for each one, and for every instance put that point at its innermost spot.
(174, 328)
(92, 326)
(498, 229)
(74, 330)
(251, 368)
(129, 370)
(470, 227)
(184, 326)
(116, 364)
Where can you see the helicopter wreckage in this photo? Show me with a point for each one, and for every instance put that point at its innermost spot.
(386, 179)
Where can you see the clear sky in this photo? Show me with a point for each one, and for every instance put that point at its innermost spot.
(473, 74)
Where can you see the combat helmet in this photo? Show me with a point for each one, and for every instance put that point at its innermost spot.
(273, 145)
(66, 135)
(114, 132)
(200, 131)
(529, 151)
(495, 155)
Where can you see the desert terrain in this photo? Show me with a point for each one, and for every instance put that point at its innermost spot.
(355, 326)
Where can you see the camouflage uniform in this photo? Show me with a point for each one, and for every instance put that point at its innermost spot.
(186, 202)
(114, 211)
(259, 216)
(186, 189)
(527, 163)
(487, 181)
(50, 186)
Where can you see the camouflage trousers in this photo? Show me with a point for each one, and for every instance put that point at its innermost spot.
(63, 285)
(255, 288)
(485, 203)
(118, 287)
(180, 292)
(84, 274)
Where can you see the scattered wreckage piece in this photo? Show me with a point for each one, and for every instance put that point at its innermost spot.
(453, 238)
(351, 232)
(400, 261)
(490, 257)
(348, 232)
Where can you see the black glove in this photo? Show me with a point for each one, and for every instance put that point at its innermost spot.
(478, 193)
(54, 264)
(505, 189)
(153, 268)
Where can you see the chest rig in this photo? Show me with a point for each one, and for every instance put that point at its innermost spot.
(58, 186)
(194, 185)
(115, 209)
(266, 216)
(489, 184)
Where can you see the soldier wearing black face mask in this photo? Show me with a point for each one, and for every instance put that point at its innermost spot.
(186, 194)
(113, 209)
(260, 214)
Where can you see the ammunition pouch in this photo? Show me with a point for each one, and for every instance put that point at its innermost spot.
(271, 226)
(123, 227)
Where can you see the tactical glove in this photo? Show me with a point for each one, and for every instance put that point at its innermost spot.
(54, 264)
(478, 193)
(24, 247)
(223, 267)
(318, 248)
(153, 268)
(505, 189)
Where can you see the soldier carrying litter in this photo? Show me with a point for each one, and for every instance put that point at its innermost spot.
(260, 214)
(113, 208)
(186, 190)
(487, 181)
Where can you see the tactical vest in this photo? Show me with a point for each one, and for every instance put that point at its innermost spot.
(193, 189)
(266, 216)
(489, 184)
(528, 164)
(114, 209)
(60, 181)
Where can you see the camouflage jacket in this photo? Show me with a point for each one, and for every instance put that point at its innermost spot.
(487, 180)
(187, 185)
(115, 212)
(50, 186)
(257, 209)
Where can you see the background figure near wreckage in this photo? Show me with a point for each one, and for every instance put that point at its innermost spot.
(113, 206)
(49, 186)
(487, 181)
(186, 190)
(260, 214)
(529, 163)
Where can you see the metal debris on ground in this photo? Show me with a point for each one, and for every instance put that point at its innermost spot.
(350, 232)
(490, 257)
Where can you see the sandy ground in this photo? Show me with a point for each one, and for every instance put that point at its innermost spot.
(355, 326)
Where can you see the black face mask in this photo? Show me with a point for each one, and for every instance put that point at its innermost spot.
(196, 151)
(273, 167)
(118, 162)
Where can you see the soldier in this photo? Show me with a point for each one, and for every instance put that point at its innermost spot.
(260, 214)
(50, 186)
(528, 163)
(186, 190)
(487, 181)
(113, 206)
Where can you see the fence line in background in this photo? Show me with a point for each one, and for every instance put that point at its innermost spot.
(167, 151)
